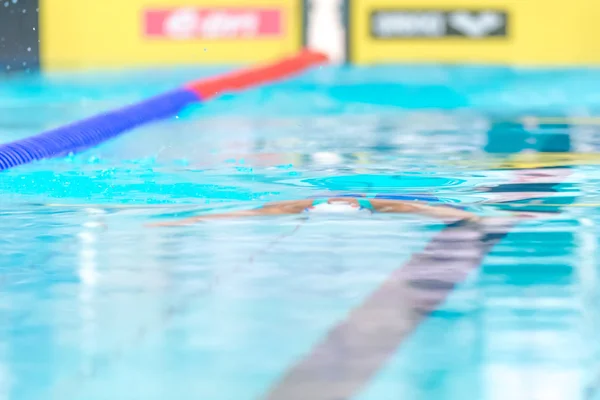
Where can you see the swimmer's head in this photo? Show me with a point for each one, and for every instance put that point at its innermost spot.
(336, 206)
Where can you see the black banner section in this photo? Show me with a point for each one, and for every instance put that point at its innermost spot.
(435, 24)
(19, 35)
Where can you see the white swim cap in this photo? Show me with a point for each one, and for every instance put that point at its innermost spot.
(335, 207)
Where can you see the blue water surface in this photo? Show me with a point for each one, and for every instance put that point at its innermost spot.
(96, 305)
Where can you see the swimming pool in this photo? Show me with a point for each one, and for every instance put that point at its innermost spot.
(97, 306)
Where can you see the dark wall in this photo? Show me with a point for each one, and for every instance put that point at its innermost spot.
(19, 40)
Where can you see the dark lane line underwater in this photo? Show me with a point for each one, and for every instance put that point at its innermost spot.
(342, 364)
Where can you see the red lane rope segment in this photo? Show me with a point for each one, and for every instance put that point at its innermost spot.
(253, 76)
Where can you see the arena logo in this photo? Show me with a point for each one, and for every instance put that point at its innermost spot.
(191, 23)
(438, 24)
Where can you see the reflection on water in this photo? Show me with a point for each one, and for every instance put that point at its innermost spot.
(96, 306)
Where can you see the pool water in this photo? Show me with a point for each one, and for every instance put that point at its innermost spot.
(96, 305)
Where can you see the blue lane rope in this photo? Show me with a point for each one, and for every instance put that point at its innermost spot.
(89, 132)
(92, 131)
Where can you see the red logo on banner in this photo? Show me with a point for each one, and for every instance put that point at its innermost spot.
(213, 23)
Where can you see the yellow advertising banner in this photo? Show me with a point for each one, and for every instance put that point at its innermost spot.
(525, 32)
(134, 33)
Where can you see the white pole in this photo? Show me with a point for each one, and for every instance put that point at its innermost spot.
(325, 29)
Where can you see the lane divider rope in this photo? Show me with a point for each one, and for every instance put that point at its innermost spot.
(92, 131)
